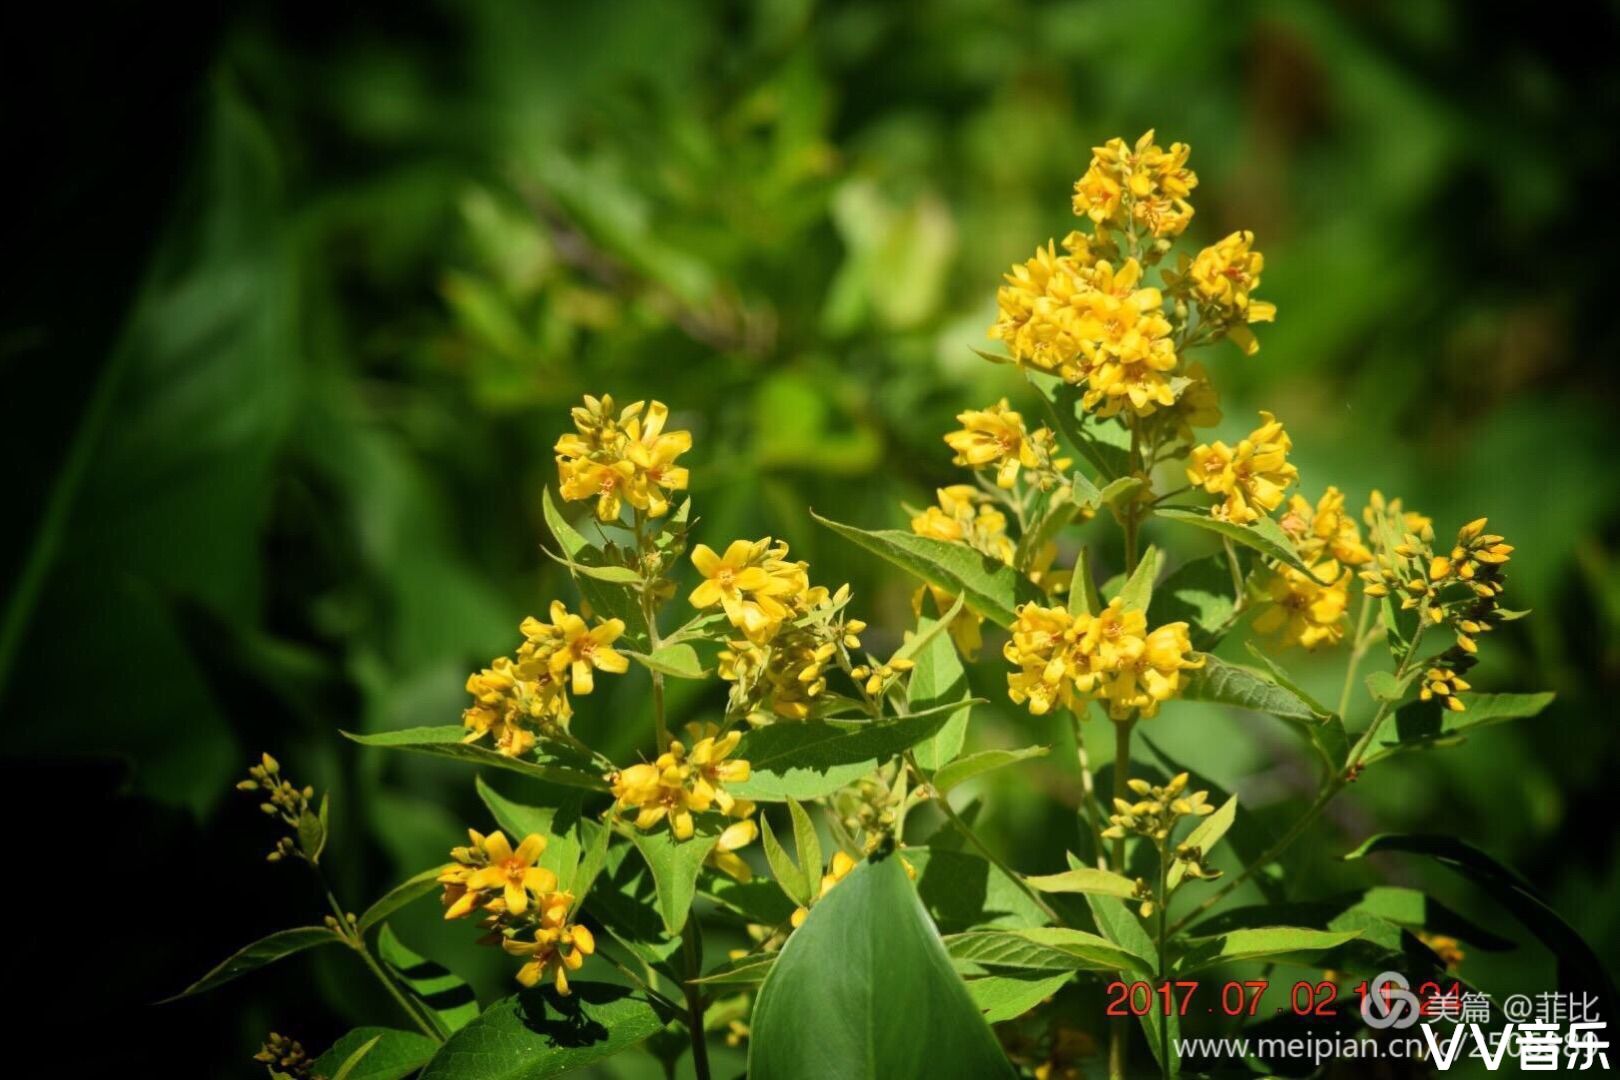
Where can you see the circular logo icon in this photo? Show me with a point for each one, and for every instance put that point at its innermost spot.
(1390, 1003)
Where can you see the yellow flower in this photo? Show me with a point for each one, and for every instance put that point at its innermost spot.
(1069, 659)
(512, 702)
(580, 649)
(1251, 476)
(1126, 339)
(713, 767)
(748, 582)
(1444, 685)
(1222, 276)
(1144, 183)
(680, 784)
(1308, 609)
(724, 857)
(837, 871)
(1324, 530)
(1043, 648)
(996, 437)
(621, 457)
(555, 945)
(492, 865)
(1152, 676)
(1034, 319)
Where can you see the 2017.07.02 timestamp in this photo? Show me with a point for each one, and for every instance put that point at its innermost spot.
(1236, 998)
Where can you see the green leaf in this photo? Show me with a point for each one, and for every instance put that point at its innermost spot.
(1198, 953)
(353, 1061)
(1579, 968)
(747, 970)
(964, 891)
(1137, 592)
(626, 900)
(1245, 688)
(449, 1001)
(964, 769)
(1264, 536)
(1055, 512)
(393, 1054)
(1008, 996)
(593, 858)
(1326, 733)
(989, 586)
(608, 599)
(1083, 598)
(1384, 686)
(1103, 443)
(539, 1033)
(1042, 948)
(1084, 879)
(1205, 837)
(807, 842)
(758, 901)
(1423, 724)
(1198, 593)
(552, 765)
(678, 660)
(266, 950)
(312, 832)
(1119, 925)
(675, 865)
(412, 888)
(557, 824)
(809, 759)
(866, 955)
(939, 680)
(789, 876)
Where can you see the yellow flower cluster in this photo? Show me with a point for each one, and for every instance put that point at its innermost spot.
(996, 438)
(1154, 817)
(1309, 609)
(682, 783)
(1137, 187)
(1221, 278)
(754, 584)
(515, 702)
(1250, 476)
(554, 944)
(1067, 659)
(622, 457)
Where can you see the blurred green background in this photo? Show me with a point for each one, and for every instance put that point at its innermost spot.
(301, 299)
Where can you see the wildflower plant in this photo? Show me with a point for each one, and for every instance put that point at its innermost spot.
(600, 896)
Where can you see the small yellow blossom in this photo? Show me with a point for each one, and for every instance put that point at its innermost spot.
(680, 783)
(1222, 276)
(1251, 476)
(578, 649)
(556, 945)
(1034, 317)
(837, 870)
(1143, 682)
(1144, 184)
(490, 870)
(1126, 340)
(1444, 686)
(749, 582)
(619, 457)
(1067, 659)
(996, 437)
(1308, 609)
(1324, 530)
(724, 857)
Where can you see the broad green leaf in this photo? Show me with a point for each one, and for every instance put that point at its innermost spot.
(962, 890)
(989, 586)
(1326, 733)
(867, 955)
(353, 1061)
(967, 768)
(1041, 948)
(1410, 907)
(539, 1034)
(1245, 688)
(675, 865)
(449, 1000)
(607, 599)
(394, 1054)
(793, 880)
(412, 888)
(758, 901)
(1198, 593)
(1198, 953)
(625, 899)
(1422, 724)
(809, 759)
(1137, 592)
(938, 680)
(679, 661)
(552, 765)
(1008, 996)
(1103, 443)
(593, 859)
(1264, 536)
(1204, 838)
(1579, 968)
(807, 843)
(747, 970)
(266, 950)
(1280, 675)
(1084, 879)
(557, 824)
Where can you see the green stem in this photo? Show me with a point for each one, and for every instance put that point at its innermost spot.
(1358, 649)
(357, 942)
(1088, 790)
(692, 943)
(1330, 789)
(1119, 1031)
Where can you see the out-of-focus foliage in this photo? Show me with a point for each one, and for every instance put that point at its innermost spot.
(298, 305)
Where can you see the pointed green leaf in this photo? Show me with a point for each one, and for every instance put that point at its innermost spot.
(1264, 536)
(551, 764)
(593, 859)
(266, 950)
(866, 955)
(1041, 948)
(412, 888)
(1137, 592)
(449, 1001)
(809, 759)
(807, 843)
(1010, 995)
(967, 768)
(675, 865)
(1204, 838)
(679, 661)
(607, 599)
(787, 873)
(1083, 589)
(1196, 954)
(1245, 688)
(392, 1055)
(1422, 724)
(1084, 879)
(1103, 443)
(938, 680)
(747, 970)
